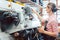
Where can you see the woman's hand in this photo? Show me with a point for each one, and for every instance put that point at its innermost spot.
(41, 30)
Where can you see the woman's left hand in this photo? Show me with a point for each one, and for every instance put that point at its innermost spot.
(41, 30)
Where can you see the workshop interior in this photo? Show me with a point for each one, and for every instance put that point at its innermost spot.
(20, 19)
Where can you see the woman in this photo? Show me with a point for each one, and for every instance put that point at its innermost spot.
(51, 31)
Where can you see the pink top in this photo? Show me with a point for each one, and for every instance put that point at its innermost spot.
(52, 25)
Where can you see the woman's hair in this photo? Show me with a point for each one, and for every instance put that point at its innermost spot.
(52, 6)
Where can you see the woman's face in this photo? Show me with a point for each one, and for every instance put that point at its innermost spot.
(48, 9)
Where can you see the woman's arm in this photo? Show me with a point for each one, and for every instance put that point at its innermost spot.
(53, 32)
(40, 18)
(41, 30)
(50, 33)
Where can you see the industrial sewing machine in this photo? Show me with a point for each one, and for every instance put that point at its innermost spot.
(17, 17)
